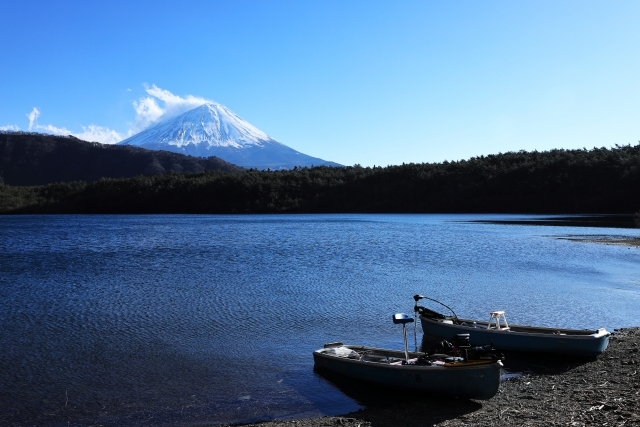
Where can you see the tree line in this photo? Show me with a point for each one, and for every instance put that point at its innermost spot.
(601, 180)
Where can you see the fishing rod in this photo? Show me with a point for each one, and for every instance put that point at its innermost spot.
(417, 298)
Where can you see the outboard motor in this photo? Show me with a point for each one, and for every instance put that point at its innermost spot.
(441, 347)
(461, 341)
(403, 319)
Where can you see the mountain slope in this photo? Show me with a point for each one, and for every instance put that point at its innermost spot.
(37, 159)
(214, 130)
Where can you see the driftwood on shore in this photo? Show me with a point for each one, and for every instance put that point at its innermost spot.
(604, 391)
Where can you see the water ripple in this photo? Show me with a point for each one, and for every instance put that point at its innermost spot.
(111, 319)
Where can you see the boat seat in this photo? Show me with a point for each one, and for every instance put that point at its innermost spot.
(374, 357)
(401, 318)
(497, 316)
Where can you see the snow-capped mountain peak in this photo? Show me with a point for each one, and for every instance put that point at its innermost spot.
(211, 124)
(213, 130)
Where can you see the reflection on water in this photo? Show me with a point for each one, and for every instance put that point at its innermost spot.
(428, 408)
(371, 395)
(129, 320)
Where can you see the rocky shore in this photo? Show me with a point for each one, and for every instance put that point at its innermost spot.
(550, 392)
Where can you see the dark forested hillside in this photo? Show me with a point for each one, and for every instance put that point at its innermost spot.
(562, 181)
(37, 159)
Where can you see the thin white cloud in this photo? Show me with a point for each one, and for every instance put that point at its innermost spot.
(160, 105)
(54, 130)
(13, 128)
(91, 133)
(33, 117)
(147, 112)
(100, 134)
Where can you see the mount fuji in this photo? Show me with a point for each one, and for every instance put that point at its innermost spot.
(213, 130)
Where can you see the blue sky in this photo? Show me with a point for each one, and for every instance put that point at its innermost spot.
(368, 82)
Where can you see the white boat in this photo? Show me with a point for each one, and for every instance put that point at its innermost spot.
(459, 374)
(498, 333)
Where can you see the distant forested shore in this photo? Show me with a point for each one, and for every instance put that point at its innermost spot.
(600, 180)
(30, 158)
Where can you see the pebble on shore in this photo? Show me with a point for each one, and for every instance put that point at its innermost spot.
(604, 391)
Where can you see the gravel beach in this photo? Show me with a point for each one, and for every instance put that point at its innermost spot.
(550, 392)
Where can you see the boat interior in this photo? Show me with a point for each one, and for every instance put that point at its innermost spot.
(497, 321)
(454, 356)
(513, 328)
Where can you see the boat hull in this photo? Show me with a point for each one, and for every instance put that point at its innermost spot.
(567, 342)
(471, 381)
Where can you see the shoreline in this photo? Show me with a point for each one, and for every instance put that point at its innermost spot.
(624, 241)
(605, 390)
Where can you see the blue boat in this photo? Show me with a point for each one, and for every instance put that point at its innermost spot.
(459, 374)
(503, 336)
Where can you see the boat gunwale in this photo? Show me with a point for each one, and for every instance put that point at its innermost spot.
(525, 330)
(494, 364)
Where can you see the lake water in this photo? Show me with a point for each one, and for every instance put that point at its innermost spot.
(188, 319)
